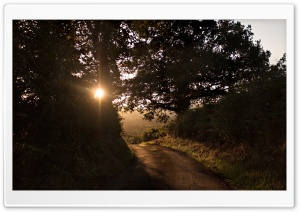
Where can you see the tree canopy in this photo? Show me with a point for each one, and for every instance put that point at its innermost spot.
(58, 125)
(153, 66)
(178, 63)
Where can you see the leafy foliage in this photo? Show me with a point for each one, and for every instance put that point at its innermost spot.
(250, 119)
(63, 136)
(257, 112)
(153, 134)
(254, 113)
(179, 63)
(60, 132)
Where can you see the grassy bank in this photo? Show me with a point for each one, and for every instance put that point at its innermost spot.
(244, 167)
(87, 165)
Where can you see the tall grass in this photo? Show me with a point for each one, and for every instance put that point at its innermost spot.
(244, 167)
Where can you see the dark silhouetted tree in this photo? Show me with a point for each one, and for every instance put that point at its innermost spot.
(179, 63)
(56, 120)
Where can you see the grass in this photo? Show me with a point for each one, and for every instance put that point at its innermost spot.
(242, 166)
(87, 166)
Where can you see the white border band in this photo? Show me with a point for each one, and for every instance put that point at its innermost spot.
(147, 198)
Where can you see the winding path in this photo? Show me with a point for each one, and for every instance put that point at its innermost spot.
(160, 168)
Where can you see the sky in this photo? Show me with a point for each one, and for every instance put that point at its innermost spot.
(272, 34)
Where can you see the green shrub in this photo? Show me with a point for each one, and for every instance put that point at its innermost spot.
(194, 124)
(153, 134)
(132, 139)
(254, 113)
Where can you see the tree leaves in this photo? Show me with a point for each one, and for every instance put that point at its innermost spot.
(54, 111)
(183, 61)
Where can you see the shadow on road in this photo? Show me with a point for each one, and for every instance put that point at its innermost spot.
(135, 177)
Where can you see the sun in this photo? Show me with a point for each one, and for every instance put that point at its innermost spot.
(99, 93)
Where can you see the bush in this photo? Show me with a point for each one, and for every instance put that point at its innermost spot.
(69, 149)
(153, 134)
(194, 124)
(247, 128)
(132, 139)
(255, 114)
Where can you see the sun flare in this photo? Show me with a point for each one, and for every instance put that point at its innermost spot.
(99, 93)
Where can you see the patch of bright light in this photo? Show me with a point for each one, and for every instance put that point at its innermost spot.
(99, 93)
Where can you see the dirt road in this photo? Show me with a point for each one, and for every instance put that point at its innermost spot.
(160, 168)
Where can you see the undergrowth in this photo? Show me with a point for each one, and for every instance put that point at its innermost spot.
(244, 167)
(87, 166)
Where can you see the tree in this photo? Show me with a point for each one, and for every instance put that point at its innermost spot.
(256, 112)
(252, 114)
(56, 127)
(179, 63)
(106, 44)
(43, 62)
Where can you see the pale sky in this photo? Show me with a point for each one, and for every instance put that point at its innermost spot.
(272, 34)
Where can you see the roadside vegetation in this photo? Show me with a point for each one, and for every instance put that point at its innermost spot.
(242, 137)
(243, 167)
(229, 101)
(228, 104)
(69, 154)
(63, 137)
(147, 135)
